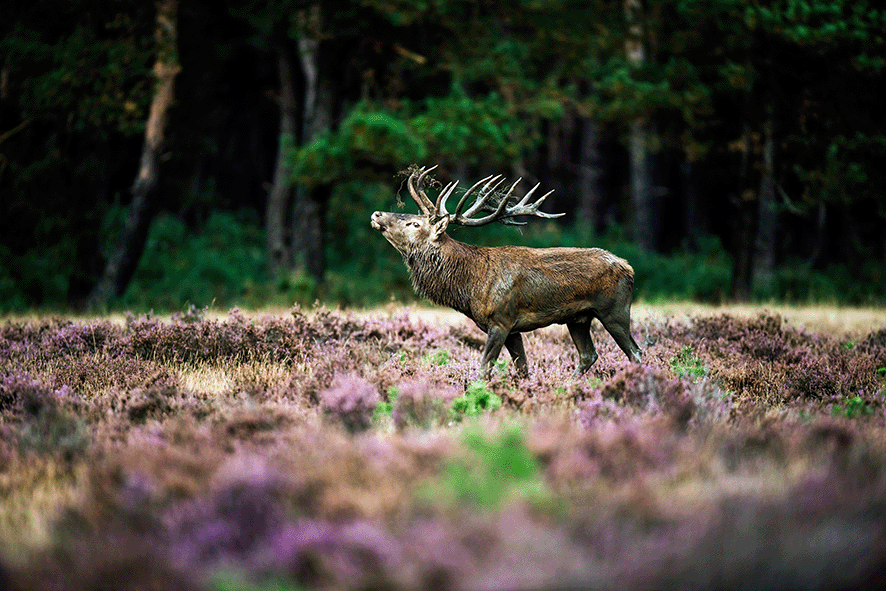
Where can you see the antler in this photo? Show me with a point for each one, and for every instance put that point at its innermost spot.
(500, 211)
(418, 194)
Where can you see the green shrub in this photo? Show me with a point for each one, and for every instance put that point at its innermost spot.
(496, 471)
(685, 363)
(476, 399)
(853, 407)
(212, 265)
(439, 357)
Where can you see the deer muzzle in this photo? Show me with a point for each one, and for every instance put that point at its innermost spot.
(376, 221)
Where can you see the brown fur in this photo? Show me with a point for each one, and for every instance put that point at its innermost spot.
(509, 290)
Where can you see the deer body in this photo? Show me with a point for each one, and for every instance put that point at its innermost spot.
(509, 290)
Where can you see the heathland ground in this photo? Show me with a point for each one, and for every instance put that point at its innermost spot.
(320, 449)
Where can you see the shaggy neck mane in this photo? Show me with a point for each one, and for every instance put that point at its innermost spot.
(442, 273)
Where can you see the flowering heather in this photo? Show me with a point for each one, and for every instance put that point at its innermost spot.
(421, 403)
(330, 450)
(351, 401)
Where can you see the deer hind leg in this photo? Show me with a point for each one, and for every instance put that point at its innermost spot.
(619, 326)
(514, 343)
(587, 353)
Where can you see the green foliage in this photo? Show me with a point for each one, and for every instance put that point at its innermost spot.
(383, 410)
(99, 77)
(438, 357)
(231, 581)
(686, 363)
(216, 265)
(853, 407)
(476, 399)
(457, 126)
(80, 82)
(497, 471)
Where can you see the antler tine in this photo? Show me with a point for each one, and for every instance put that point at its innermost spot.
(418, 194)
(497, 213)
(528, 194)
(464, 197)
(487, 190)
(442, 197)
(424, 171)
(532, 209)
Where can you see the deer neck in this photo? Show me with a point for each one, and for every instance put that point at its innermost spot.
(446, 272)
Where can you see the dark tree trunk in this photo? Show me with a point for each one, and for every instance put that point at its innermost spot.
(744, 250)
(319, 106)
(309, 229)
(744, 229)
(692, 215)
(280, 194)
(820, 244)
(590, 197)
(767, 215)
(642, 198)
(122, 263)
(554, 166)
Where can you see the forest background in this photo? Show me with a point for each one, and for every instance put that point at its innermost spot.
(206, 153)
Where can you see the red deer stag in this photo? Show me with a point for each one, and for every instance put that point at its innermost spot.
(509, 290)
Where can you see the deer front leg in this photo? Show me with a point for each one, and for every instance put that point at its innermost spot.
(495, 340)
(514, 343)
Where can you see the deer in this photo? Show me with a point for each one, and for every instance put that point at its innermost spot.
(509, 290)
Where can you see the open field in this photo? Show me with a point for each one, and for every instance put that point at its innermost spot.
(339, 450)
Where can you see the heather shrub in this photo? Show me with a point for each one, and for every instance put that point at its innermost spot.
(235, 519)
(421, 403)
(54, 430)
(191, 314)
(309, 380)
(20, 390)
(154, 401)
(45, 419)
(355, 554)
(206, 341)
(650, 390)
(91, 375)
(55, 338)
(350, 401)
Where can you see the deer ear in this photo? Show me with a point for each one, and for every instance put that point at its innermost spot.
(439, 227)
